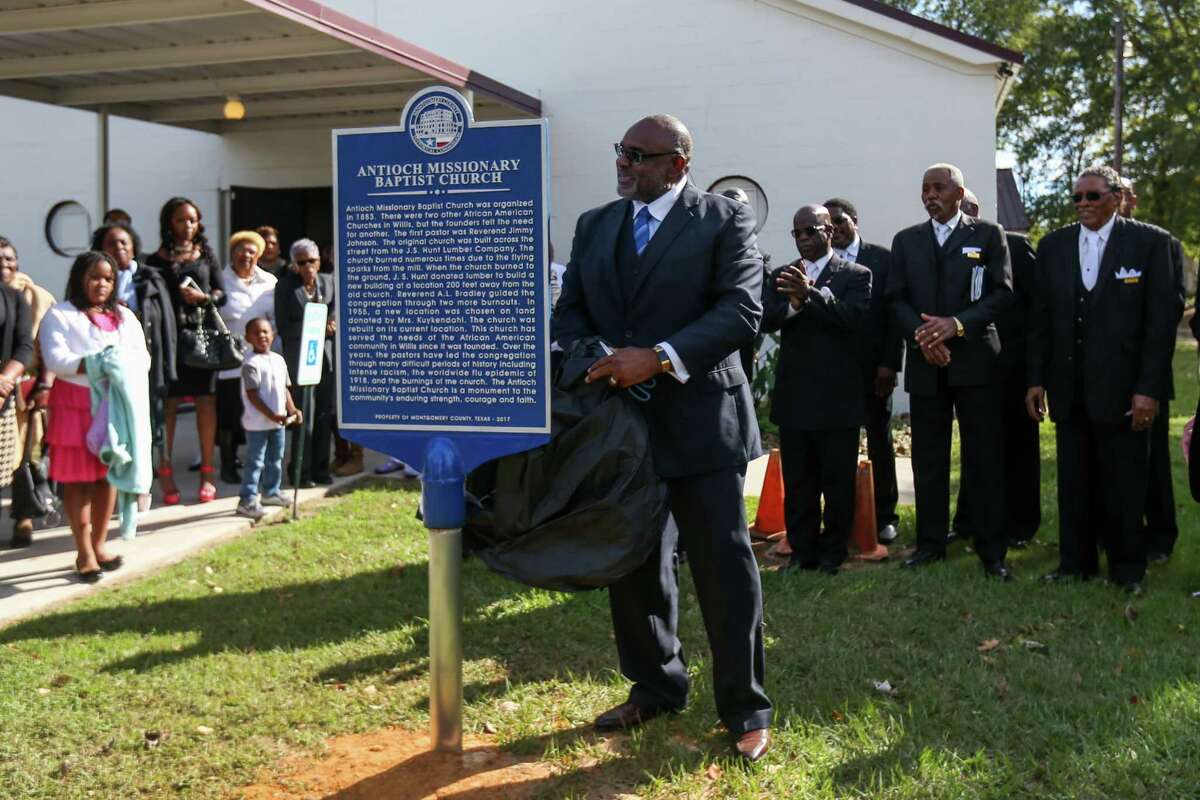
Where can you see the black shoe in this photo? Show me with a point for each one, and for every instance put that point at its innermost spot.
(113, 564)
(308, 483)
(829, 569)
(887, 534)
(1158, 558)
(323, 480)
(998, 569)
(626, 716)
(231, 476)
(1132, 588)
(922, 558)
(91, 576)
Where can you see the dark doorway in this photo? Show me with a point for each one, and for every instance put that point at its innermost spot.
(295, 213)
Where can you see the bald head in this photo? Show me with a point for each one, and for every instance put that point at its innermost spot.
(680, 136)
(653, 156)
(812, 230)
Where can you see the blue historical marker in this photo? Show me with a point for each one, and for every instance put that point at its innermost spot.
(444, 326)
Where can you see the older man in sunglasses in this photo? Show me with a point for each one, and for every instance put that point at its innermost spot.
(1100, 343)
(670, 276)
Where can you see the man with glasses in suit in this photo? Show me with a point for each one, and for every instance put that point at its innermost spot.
(671, 277)
(950, 280)
(1100, 344)
(883, 347)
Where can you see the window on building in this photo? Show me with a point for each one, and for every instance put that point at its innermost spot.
(755, 193)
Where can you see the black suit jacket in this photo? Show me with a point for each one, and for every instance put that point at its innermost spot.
(884, 341)
(819, 380)
(916, 286)
(699, 290)
(1013, 322)
(290, 300)
(1131, 323)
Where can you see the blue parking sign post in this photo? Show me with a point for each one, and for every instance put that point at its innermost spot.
(443, 340)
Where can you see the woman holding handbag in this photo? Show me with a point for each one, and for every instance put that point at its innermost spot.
(247, 287)
(194, 279)
(89, 320)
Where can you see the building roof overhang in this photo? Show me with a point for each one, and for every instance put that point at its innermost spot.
(292, 64)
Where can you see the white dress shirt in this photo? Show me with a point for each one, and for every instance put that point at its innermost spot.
(943, 231)
(850, 253)
(659, 208)
(1091, 251)
(242, 296)
(813, 270)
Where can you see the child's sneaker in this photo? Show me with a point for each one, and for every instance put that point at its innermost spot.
(276, 500)
(251, 509)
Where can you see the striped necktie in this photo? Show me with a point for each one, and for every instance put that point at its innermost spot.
(641, 229)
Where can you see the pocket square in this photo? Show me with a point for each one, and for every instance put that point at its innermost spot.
(1128, 275)
(973, 252)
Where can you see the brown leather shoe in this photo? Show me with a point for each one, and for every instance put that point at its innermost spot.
(753, 745)
(624, 717)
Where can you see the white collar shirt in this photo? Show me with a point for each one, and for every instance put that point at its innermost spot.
(850, 253)
(661, 205)
(813, 269)
(1091, 251)
(943, 230)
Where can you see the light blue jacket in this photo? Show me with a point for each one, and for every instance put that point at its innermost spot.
(127, 441)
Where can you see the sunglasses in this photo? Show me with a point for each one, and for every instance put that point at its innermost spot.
(811, 230)
(300, 262)
(1091, 197)
(637, 156)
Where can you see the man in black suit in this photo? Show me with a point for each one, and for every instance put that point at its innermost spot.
(1022, 443)
(884, 353)
(671, 277)
(950, 279)
(820, 302)
(1100, 342)
(1161, 528)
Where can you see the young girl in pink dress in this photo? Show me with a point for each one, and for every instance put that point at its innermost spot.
(89, 320)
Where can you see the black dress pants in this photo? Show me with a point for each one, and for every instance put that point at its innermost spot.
(1022, 466)
(709, 519)
(882, 452)
(1101, 496)
(977, 409)
(1162, 529)
(816, 464)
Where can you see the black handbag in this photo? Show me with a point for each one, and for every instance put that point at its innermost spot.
(32, 497)
(210, 345)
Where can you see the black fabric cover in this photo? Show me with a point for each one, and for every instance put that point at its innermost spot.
(583, 510)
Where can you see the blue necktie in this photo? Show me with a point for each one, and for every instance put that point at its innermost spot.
(641, 229)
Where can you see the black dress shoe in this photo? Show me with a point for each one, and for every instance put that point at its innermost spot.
(922, 558)
(113, 564)
(323, 480)
(999, 570)
(887, 534)
(625, 716)
(1158, 558)
(308, 483)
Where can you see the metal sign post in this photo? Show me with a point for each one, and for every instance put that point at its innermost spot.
(443, 336)
(312, 352)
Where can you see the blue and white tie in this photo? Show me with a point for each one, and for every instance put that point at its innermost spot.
(641, 229)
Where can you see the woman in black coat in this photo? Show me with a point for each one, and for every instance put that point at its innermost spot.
(291, 296)
(193, 278)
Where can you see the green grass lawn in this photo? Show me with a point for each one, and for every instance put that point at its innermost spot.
(270, 644)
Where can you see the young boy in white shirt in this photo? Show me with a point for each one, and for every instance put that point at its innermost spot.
(268, 410)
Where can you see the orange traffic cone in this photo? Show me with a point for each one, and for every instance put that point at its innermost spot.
(864, 535)
(769, 519)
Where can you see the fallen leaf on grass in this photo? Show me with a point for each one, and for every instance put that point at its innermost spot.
(1134, 699)
(60, 680)
(1002, 688)
(370, 689)
(886, 688)
(714, 772)
(988, 645)
(208, 570)
(966, 616)
(838, 716)
(1131, 613)
(203, 730)
(1035, 647)
(509, 707)
(489, 728)
(43, 690)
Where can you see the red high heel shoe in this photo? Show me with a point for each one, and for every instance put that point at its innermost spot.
(168, 498)
(208, 492)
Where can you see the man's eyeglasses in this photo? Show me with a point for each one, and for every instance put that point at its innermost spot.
(1092, 197)
(300, 262)
(811, 230)
(636, 156)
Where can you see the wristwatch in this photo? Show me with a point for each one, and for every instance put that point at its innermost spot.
(664, 360)
(959, 330)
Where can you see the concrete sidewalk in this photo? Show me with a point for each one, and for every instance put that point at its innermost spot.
(38, 578)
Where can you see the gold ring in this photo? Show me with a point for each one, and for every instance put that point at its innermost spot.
(612, 381)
